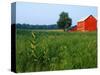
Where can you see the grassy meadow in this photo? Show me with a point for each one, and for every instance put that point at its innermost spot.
(48, 50)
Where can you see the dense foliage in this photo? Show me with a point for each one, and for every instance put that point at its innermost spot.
(64, 21)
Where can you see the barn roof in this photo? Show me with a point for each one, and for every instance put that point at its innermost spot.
(72, 27)
(83, 19)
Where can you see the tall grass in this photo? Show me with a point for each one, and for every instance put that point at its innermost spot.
(47, 50)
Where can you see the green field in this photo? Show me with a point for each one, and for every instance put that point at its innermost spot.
(45, 50)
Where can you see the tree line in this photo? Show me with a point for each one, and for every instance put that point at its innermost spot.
(28, 26)
(64, 22)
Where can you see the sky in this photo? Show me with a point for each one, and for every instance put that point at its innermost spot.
(41, 13)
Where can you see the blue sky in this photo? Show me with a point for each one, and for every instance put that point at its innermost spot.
(39, 13)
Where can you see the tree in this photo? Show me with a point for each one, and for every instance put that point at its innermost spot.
(64, 21)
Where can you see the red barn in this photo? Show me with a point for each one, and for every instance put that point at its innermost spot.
(74, 28)
(89, 24)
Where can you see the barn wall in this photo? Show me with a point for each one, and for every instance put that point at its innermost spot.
(91, 24)
(80, 26)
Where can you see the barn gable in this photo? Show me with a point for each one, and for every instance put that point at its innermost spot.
(89, 24)
(89, 17)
